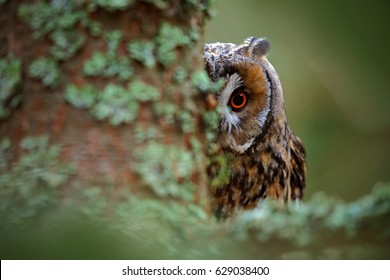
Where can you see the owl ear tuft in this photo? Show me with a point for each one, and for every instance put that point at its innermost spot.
(258, 46)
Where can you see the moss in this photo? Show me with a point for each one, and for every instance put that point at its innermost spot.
(10, 79)
(180, 74)
(113, 40)
(168, 39)
(66, 43)
(115, 104)
(143, 92)
(202, 82)
(142, 52)
(46, 70)
(187, 122)
(146, 134)
(44, 18)
(165, 110)
(81, 97)
(32, 184)
(166, 170)
(108, 66)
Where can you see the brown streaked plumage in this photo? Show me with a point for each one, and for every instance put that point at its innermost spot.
(266, 160)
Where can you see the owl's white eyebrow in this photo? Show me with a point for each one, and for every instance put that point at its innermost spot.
(234, 82)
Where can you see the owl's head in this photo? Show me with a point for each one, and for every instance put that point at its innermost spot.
(252, 95)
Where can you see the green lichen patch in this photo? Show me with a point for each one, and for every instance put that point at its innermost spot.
(45, 17)
(32, 184)
(115, 104)
(107, 66)
(202, 82)
(66, 44)
(166, 110)
(143, 92)
(10, 78)
(219, 169)
(146, 134)
(46, 70)
(168, 39)
(142, 52)
(180, 75)
(166, 170)
(83, 97)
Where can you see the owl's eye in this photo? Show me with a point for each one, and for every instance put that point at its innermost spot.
(238, 101)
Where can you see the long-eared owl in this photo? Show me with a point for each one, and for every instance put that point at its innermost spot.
(266, 159)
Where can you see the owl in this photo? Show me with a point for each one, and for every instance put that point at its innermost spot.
(265, 158)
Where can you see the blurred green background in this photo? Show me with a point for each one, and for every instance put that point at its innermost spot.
(333, 60)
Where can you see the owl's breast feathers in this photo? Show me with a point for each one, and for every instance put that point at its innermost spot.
(273, 168)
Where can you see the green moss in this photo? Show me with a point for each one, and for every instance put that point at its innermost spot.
(142, 52)
(10, 79)
(81, 97)
(108, 66)
(32, 184)
(180, 74)
(168, 39)
(113, 40)
(166, 170)
(202, 82)
(66, 43)
(46, 70)
(146, 134)
(115, 104)
(219, 167)
(44, 18)
(165, 110)
(143, 92)
(187, 122)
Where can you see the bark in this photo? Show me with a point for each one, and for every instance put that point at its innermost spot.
(105, 148)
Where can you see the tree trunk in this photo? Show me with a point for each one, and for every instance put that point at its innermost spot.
(112, 84)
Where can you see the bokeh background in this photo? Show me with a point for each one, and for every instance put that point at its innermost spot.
(333, 59)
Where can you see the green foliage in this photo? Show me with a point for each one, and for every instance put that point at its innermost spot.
(166, 170)
(168, 39)
(46, 70)
(31, 185)
(10, 78)
(66, 43)
(81, 97)
(143, 52)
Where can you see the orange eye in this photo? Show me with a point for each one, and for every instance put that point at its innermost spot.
(238, 101)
